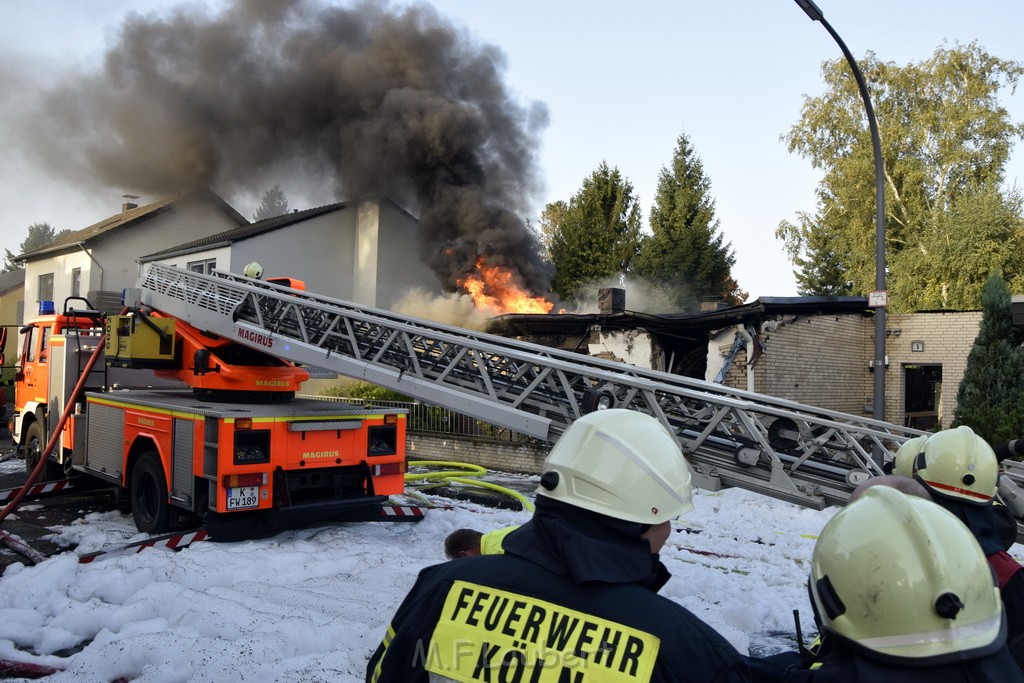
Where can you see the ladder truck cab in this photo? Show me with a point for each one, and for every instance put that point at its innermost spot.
(191, 426)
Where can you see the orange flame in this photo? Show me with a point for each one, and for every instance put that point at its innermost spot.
(494, 288)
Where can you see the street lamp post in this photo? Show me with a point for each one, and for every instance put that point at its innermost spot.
(878, 363)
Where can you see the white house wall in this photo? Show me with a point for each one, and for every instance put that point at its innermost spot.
(61, 267)
(315, 251)
(399, 265)
(222, 256)
(635, 347)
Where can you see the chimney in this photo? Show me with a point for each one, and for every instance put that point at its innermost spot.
(129, 202)
(611, 300)
(708, 305)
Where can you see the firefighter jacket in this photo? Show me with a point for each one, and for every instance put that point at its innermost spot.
(984, 523)
(570, 600)
(490, 543)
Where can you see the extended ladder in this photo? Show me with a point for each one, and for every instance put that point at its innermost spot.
(787, 450)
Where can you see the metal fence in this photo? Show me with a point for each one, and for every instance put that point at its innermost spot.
(431, 419)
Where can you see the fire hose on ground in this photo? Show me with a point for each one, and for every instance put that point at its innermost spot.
(463, 473)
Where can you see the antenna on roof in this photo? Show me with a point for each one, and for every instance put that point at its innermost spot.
(129, 202)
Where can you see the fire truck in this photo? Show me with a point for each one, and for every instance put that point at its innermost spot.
(191, 427)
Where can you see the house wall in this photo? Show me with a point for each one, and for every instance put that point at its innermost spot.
(400, 266)
(817, 360)
(824, 361)
(11, 318)
(313, 250)
(636, 347)
(947, 340)
(61, 266)
(221, 255)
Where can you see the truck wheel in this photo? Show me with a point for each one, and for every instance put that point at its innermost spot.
(34, 445)
(148, 492)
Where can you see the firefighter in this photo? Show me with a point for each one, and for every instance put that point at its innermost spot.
(253, 270)
(961, 471)
(917, 603)
(903, 462)
(911, 487)
(573, 598)
(470, 542)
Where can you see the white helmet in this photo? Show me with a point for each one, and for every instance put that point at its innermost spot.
(960, 465)
(903, 464)
(900, 576)
(253, 270)
(622, 464)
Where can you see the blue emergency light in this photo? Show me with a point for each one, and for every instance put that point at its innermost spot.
(46, 308)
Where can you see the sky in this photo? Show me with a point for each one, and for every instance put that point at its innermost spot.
(620, 86)
(312, 605)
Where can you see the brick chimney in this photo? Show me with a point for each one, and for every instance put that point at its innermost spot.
(611, 300)
(129, 202)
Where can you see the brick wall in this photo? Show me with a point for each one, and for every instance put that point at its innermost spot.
(495, 455)
(817, 360)
(947, 340)
(824, 360)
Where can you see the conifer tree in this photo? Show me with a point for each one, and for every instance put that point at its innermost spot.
(274, 204)
(687, 254)
(990, 399)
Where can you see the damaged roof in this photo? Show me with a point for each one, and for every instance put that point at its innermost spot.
(679, 324)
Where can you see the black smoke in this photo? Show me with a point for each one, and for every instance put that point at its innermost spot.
(377, 99)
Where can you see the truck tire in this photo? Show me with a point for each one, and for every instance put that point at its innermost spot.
(34, 445)
(148, 493)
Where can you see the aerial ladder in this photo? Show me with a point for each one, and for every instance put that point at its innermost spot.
(787, 450)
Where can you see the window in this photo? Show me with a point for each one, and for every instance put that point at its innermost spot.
(28, 348)
(205, 266)
(45, 292)
(44, 343)
(76, 282)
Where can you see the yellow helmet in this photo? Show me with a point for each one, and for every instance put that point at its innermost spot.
(922, 590)
(958, 464)
(619, 463)
(253, 270)
(903, 464)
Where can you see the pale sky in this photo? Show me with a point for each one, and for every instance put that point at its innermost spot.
(621, 81)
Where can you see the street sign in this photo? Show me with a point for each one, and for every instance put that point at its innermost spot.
(878, 298)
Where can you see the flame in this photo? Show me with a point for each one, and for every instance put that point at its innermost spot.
(494, 288)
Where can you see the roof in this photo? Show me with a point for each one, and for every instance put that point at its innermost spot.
(12, 279)
(244, 232)
(132, 217)
(679, 323)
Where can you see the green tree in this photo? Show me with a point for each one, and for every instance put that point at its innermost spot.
(274, 204)
(39, 235)
(945, 142)
(598, 235)
(990, 399)
(687, 254)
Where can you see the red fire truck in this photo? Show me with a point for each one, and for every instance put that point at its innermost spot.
(190, 425)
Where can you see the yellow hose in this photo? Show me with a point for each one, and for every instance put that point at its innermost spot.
(460, 475)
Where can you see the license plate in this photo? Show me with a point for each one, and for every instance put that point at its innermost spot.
(243, 497)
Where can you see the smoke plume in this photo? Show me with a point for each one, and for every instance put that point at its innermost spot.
(379, 99)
